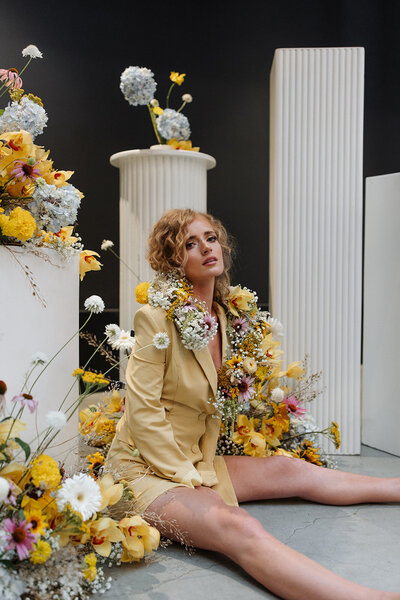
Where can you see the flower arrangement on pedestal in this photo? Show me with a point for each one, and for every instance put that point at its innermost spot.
(171, 126)
(38, 205)
(58, 531)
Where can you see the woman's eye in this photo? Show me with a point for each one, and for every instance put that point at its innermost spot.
(212, 238)
(189, 245)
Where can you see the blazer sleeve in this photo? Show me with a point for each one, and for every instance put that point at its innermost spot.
(208, 447)
(151, 431)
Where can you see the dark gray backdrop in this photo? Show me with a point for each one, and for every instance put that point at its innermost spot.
(226, 49)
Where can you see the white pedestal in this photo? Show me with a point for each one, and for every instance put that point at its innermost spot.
(27, 326)
(152, 182)
(316, 184)
(381, 355)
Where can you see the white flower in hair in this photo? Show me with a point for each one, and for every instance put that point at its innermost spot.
(56, 419)
(94, 304)
(82, 493)
(161, 340)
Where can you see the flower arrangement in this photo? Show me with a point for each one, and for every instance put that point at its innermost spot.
(58, 531)
(170, 126)
(38, 204)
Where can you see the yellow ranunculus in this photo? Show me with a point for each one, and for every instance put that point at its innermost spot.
(142, 292)
(177, 78)
(41, 552)
(45, 471)
(88, 262)
(239, 299)
(19, 224)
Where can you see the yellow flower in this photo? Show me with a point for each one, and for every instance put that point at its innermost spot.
(111, 492)
(12, 471)
(269, 346)
(78, 372)
(255, 445)
(58, 178)
(37, 520)
(46, 504)
(90, 571)
(11, 429)
(234, 362)
(282, 452)
(141, 292)
(41, 552)
(295, 370)
(271, 432)
(334, 431)
(103, 532)
(88, 262)
(182, 145)
(308, 453)
(95, 462)
(280, 417)
(244, 429)
(139, 538)
(157, 110)
(115, 404)
(250, 365)
(45, 471)
(177, 78)
(19, 224)
(239, 299)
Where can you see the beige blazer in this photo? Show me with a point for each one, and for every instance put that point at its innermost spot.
(169, 413)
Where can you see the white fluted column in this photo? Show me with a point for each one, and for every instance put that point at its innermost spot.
(152, 182)
(316, 145)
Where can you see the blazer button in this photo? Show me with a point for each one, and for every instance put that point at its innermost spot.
(195, 448)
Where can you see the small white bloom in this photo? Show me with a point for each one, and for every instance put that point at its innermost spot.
(123, 342)
(187, 98)
(56, 419)
(94, 303)
(32, 51)
(106, 244)
(277, 395)
(39, 358)
(161, 340)
(275, 327)
(82, 493)
(112, 331)
(4, 488)
(154, 103)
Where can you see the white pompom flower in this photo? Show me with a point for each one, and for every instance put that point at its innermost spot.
(187, 98)
(106, 244)
(275, 327)
(39, 358)
(56, 419)
(82, 493)
(124, 341)
(113, 332)
(277, 395)
(32, 51)
(94, 304)
(4, 488)
(161, 340)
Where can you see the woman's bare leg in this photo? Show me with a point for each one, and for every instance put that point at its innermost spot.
(285, 477)
(202, 519)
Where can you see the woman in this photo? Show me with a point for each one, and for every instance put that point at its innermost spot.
(166, 442)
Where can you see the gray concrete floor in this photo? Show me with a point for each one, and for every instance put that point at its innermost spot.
(361, 543)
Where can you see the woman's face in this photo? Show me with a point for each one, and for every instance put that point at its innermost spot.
(204, 252)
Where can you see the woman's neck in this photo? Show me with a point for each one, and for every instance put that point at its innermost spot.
(204, 291)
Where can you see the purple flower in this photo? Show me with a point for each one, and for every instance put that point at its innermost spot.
(240, 325)
(26, 400)
(12, 494)
(19, 537)
(26, 170)
(245, 388)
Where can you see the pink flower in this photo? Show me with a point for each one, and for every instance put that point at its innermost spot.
(11, 78)
(26, 170)
(209, 321)
(12, 495)
(245, 388)
(240, 325)
(294, 406)
(19, 537)
(26, 400)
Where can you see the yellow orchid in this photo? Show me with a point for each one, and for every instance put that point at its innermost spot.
(104, 531)
(271, 432)
(11, 429)
(239, 298)
(269, 346)
(114, 405)
(88, 262)
(295, 370)
(182, 145)
(58, 178)
(139, 537)
(13, 471)
(111, 492)
(177, 78)
(244, 429)
(282, 452)
(255, 445)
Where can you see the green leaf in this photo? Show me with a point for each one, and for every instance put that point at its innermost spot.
(6, 419)
(25, 447)
(1, 111)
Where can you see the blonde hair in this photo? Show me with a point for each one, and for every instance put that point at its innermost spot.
(167, 246)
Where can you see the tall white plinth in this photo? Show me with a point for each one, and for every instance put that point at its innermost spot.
(41, 323)
(381, 355)
(316, 146)
(152, 182)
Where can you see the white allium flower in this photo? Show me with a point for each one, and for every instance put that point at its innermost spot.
(277, 395)
(106, 244)
(276, 327)
(123, 342)
(82, 493)
(161, 340)
(56, 419)
(94, 303)
(187, 98)
(112, 331)
(4, 488)
(39, 358)
(32, 51)
(172, 124)
(138, 85)
(11, 586)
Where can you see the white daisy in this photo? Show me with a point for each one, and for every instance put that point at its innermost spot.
(277, 395)
(161, 340)
(4, 488)
(124, 341)
(32, 51)
(39, 358)
(275, 327)
(112, 331)
(56, 419)
(106, 244)
(95, 304)
(82, 493)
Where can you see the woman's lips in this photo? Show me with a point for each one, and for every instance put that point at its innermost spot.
(210, 260)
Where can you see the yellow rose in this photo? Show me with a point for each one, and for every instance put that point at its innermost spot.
(141, 292)
(239, 299)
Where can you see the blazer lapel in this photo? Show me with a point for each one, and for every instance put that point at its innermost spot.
(203, 356)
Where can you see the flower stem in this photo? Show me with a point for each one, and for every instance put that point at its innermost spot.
(153, 120)
(181, 107)
(169, 93)
(124, 263)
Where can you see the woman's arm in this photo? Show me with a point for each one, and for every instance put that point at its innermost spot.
(150, 430)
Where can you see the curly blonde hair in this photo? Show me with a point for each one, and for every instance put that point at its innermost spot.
(167, 246)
